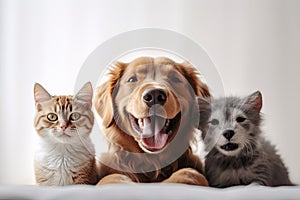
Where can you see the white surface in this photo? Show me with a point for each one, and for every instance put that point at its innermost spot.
(149, 191)
(255, 45)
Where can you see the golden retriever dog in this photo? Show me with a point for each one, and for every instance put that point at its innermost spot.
(148, 108)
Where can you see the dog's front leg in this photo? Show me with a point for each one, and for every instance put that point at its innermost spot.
(115, 178)
(187, 176)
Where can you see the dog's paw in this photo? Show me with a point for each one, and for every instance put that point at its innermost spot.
(115, 179)
(187, 176)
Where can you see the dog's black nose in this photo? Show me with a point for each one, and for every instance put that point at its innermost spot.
(228, 134)
(154, 96)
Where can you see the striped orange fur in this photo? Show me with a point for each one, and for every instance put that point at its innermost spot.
(65, 154)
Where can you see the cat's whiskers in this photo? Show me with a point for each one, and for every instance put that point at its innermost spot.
(83, 142)
(66, 154)
(257, 160)
(249, 149)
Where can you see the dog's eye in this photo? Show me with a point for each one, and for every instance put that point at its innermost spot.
(132, 79)
(175, 79)
(240, 119)
(214, 122)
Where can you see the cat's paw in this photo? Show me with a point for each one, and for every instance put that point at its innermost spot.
(115, 178)
(253, 184)
(187, 176)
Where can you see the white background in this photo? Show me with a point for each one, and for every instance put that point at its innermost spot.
(254, 45)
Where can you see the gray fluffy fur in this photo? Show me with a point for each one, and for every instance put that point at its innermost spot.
(256, 161)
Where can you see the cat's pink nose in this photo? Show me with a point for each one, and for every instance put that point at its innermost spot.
(63, 127)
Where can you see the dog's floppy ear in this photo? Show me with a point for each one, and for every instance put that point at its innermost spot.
(192, 77)
(105, 93)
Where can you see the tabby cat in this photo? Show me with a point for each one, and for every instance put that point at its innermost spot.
(65, 153)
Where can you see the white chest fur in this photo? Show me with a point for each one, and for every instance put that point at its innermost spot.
(60, 161)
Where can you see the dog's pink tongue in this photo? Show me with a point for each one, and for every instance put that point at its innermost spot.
(152, 135)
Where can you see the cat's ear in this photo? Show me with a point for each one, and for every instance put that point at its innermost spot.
(204, 112)
(40, 94)
(254, 100)
(85, 95)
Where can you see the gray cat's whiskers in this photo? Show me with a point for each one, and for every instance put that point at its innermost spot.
(249, 149)
(240, 156)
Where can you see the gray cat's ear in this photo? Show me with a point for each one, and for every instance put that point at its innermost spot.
(204, 112)
(254, 100)
(40, 94)
(85, 94)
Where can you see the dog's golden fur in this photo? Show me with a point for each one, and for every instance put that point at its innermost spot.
(129, 159)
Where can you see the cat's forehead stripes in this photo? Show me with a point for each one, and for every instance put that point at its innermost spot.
(229, 108)
(228, 113)
(63, 103)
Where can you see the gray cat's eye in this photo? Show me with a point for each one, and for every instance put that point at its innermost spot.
(75, 116)
(240, 119)
(52, 117)
(214, 122)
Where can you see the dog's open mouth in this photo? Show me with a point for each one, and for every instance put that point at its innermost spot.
(229, 146)
(154, 131)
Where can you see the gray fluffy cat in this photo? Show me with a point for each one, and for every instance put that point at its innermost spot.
(238, 155)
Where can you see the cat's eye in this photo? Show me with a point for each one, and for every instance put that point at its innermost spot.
(240, 119)
(52, 117)
(214, 122)
(75, 116)
(132, 79)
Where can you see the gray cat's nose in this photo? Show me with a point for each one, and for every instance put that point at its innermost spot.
(228, 134)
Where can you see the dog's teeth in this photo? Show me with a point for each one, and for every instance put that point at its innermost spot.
(141, 123)
(167, 122)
